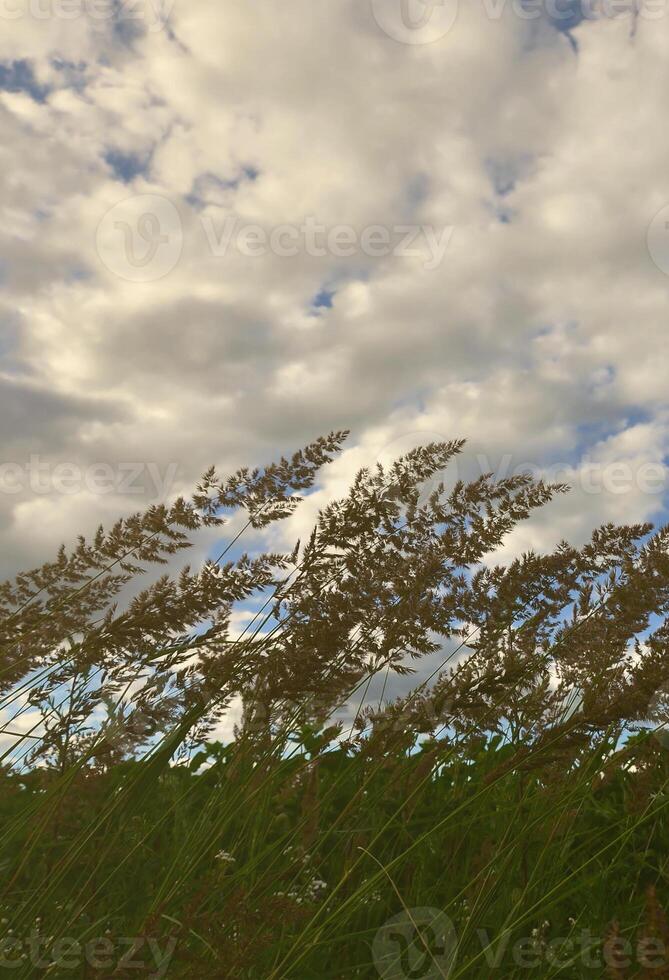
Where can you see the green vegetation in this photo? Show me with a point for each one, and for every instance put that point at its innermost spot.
(517, 793)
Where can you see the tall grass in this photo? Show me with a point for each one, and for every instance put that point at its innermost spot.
(506, 796)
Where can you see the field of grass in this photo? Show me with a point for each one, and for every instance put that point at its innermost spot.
(508, 818)
(258, 866)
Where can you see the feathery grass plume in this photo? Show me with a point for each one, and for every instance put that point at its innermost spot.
(504, 789)
(62, 636)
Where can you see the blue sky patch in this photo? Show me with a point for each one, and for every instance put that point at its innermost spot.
(126, 166)
(418, 189)
(565, 14)
(323, 299)
(207, 185)
(78, 273)
(126, 27)
(19, 76)
(73, 74)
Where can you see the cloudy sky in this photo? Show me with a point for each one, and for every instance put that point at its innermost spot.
(228, 228)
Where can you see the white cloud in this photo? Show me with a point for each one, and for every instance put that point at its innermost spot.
(541, 334)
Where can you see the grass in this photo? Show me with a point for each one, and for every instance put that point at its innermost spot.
(502, 822)
(248, 865)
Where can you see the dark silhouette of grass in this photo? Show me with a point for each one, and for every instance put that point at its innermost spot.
(508, 792)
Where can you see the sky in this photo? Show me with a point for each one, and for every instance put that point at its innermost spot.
(230, 228)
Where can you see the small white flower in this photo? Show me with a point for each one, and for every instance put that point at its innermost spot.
(225, 857)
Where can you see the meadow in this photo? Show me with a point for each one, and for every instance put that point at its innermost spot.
(507, 817)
